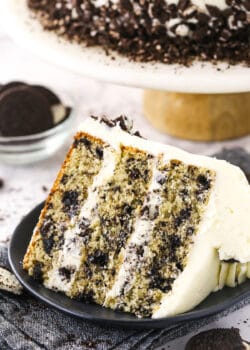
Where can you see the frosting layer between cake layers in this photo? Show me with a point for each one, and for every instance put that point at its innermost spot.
(153, 230)
(171, 31)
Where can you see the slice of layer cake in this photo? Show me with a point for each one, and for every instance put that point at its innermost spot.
(141, 227)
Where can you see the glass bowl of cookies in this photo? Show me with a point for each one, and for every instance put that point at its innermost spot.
(34, 122)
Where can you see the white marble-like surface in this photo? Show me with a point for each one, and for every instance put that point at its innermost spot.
(23, 185)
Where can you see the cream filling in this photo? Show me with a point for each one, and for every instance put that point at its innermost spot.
(58, 112)
(71, 252)
(140, 237)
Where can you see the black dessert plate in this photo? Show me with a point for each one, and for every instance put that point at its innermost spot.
(215, 303)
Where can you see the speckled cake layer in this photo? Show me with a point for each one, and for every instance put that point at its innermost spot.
(141, 227)
(170, 31)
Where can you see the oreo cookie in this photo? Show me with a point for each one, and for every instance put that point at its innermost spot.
(11, 85)
(52, 98)
(29, 109)
(217, 339)
(23, 111)
(59, 111)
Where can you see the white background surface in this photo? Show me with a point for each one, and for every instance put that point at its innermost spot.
(23, 185)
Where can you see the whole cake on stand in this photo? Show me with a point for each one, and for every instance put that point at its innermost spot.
(198, 48)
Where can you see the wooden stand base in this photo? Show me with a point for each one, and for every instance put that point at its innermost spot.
(200, 117)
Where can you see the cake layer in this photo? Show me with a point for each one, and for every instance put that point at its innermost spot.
(63, 204)
(170, 31)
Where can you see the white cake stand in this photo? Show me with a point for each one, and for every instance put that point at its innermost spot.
(200, 78)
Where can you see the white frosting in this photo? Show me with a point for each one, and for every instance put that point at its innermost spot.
(224, 232)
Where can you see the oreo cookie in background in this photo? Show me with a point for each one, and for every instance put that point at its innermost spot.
(29, 109)
(218, 339)
(237, 156)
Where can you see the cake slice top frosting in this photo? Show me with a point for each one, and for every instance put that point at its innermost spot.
(227, 219)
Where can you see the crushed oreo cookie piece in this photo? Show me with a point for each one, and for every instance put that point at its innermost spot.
(1, 183)
(99, 258)
(45, 188)
(66, 273)
(123, 122)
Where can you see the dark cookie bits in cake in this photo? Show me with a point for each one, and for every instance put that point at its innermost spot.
(99, 152)
(85, 230)
(48, 244)
(157, 280)
(98, 258)
(154, 30)
(204, 182)
(66, 273)
(38, 272)
(46, 231)
(64, 179)
(70, 202)
(183, 216)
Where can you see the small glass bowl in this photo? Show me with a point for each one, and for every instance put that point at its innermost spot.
(32, 148)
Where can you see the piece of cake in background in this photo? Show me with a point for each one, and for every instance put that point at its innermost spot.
(169, 31)
(139, 226)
